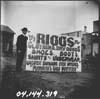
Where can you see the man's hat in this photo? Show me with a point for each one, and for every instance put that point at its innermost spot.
(24, 28)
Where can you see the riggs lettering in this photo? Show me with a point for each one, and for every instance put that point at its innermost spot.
(55, 40)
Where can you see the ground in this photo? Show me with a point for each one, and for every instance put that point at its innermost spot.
(71, 85)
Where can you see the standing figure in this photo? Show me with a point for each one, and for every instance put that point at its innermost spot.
(21, 48)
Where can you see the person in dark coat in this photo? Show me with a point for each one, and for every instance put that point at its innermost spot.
(21, 48)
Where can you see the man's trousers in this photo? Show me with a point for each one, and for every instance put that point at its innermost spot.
(19, 60)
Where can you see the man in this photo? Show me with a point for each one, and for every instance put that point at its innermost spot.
(21, 48)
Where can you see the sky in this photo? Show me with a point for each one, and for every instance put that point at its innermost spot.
(49, 17)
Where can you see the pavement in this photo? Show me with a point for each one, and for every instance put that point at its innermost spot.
(64, 83)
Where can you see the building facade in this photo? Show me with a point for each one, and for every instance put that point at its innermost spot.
(95, 38)
(7, 36)
(90, 41)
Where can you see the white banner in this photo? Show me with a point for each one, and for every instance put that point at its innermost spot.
(53, 53)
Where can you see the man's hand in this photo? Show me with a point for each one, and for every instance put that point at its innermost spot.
(19, 51)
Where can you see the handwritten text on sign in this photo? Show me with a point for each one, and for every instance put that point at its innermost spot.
(54, 53)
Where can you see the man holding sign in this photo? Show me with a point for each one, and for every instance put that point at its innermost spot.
(21, 48)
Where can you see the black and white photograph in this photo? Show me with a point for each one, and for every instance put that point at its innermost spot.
(50, 49)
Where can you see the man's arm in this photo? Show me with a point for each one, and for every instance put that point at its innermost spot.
(18, 44)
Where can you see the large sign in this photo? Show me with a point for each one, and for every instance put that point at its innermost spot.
(53, 53)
